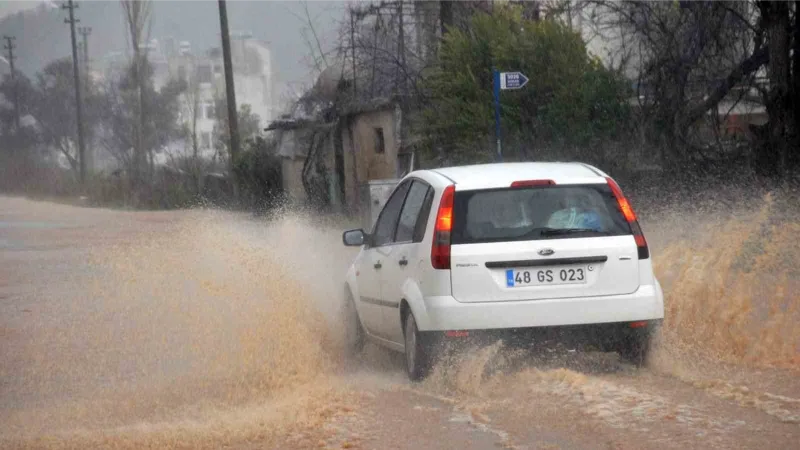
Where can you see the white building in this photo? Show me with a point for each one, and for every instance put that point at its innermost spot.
(205, 76)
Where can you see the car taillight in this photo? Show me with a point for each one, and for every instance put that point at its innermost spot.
(440, 248)
(630, 216)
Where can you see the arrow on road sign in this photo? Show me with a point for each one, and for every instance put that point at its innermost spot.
(512, 80)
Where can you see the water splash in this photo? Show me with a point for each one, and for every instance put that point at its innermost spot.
(201, 329)
(209, 328)
(732, 290)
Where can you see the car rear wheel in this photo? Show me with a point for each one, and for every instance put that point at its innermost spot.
(354, 332)
(635, 347)
(417, 353)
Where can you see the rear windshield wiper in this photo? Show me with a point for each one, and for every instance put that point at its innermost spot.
(558, 231)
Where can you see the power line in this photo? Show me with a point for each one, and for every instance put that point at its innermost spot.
(10, 48)
(72, 21)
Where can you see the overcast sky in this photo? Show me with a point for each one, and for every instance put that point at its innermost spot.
(43, 36)
(10, 7)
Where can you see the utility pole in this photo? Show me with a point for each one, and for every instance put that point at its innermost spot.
(10, 48)
(72, 21)
(85, 32)
(356, 192)
(401, 50)
(353, 49)
(233, 122)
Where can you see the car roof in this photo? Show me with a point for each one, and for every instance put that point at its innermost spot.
(488, 176)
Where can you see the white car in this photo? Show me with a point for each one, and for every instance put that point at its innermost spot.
(506, 247)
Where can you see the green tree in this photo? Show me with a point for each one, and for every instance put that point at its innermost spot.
(120, 111)
(53, 106)
(570, 98)
(258, 172)
(248, 122)
(50, 102)
(14, 142)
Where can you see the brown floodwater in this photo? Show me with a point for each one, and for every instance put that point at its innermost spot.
(201, 328)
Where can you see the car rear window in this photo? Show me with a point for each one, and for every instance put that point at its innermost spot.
(522, 214)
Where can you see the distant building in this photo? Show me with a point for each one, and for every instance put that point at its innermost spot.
(253, 83)
(205, 76)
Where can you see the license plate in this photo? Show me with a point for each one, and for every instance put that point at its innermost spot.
(546, 276)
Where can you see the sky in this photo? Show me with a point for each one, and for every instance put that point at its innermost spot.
(42, 35)
(11, 7)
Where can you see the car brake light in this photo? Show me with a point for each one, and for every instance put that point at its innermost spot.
(440, 248)
(529, 183)
(630, 217)
(456, 333)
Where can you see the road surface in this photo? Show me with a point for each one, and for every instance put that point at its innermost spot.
(203, 329)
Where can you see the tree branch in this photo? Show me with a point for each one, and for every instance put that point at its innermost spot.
(748, 66)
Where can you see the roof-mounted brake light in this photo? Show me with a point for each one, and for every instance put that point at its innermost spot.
(531, 183)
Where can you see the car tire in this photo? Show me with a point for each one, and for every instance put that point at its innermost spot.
(354, 331)
(635, 347)
(417, 352)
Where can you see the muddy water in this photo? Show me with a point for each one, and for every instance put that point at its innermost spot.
(204, 329)
(187, 328)
(727, 360)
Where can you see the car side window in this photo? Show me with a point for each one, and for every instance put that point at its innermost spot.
(415, 200)
(387, 220)
(422, 219)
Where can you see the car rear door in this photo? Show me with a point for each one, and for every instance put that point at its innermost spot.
(404, 257)
(375, 261)
(541, 242)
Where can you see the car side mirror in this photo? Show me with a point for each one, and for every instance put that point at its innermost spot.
(354, 238)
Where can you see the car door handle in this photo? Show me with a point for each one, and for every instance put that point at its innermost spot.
(403, 262)
(378, 265)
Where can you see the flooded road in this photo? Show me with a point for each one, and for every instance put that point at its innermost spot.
(203, 329)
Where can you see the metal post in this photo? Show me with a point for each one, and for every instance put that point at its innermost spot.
(71, 21)
(496, 91)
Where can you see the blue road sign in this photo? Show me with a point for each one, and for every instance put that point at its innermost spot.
(512, 80)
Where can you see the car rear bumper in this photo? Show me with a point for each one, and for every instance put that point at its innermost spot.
(599, 336)
(445, 313)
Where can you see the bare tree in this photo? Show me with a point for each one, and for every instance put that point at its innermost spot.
(693, 55)
(686, 57)
(189, 159)
(318, 53)
(387, 60)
